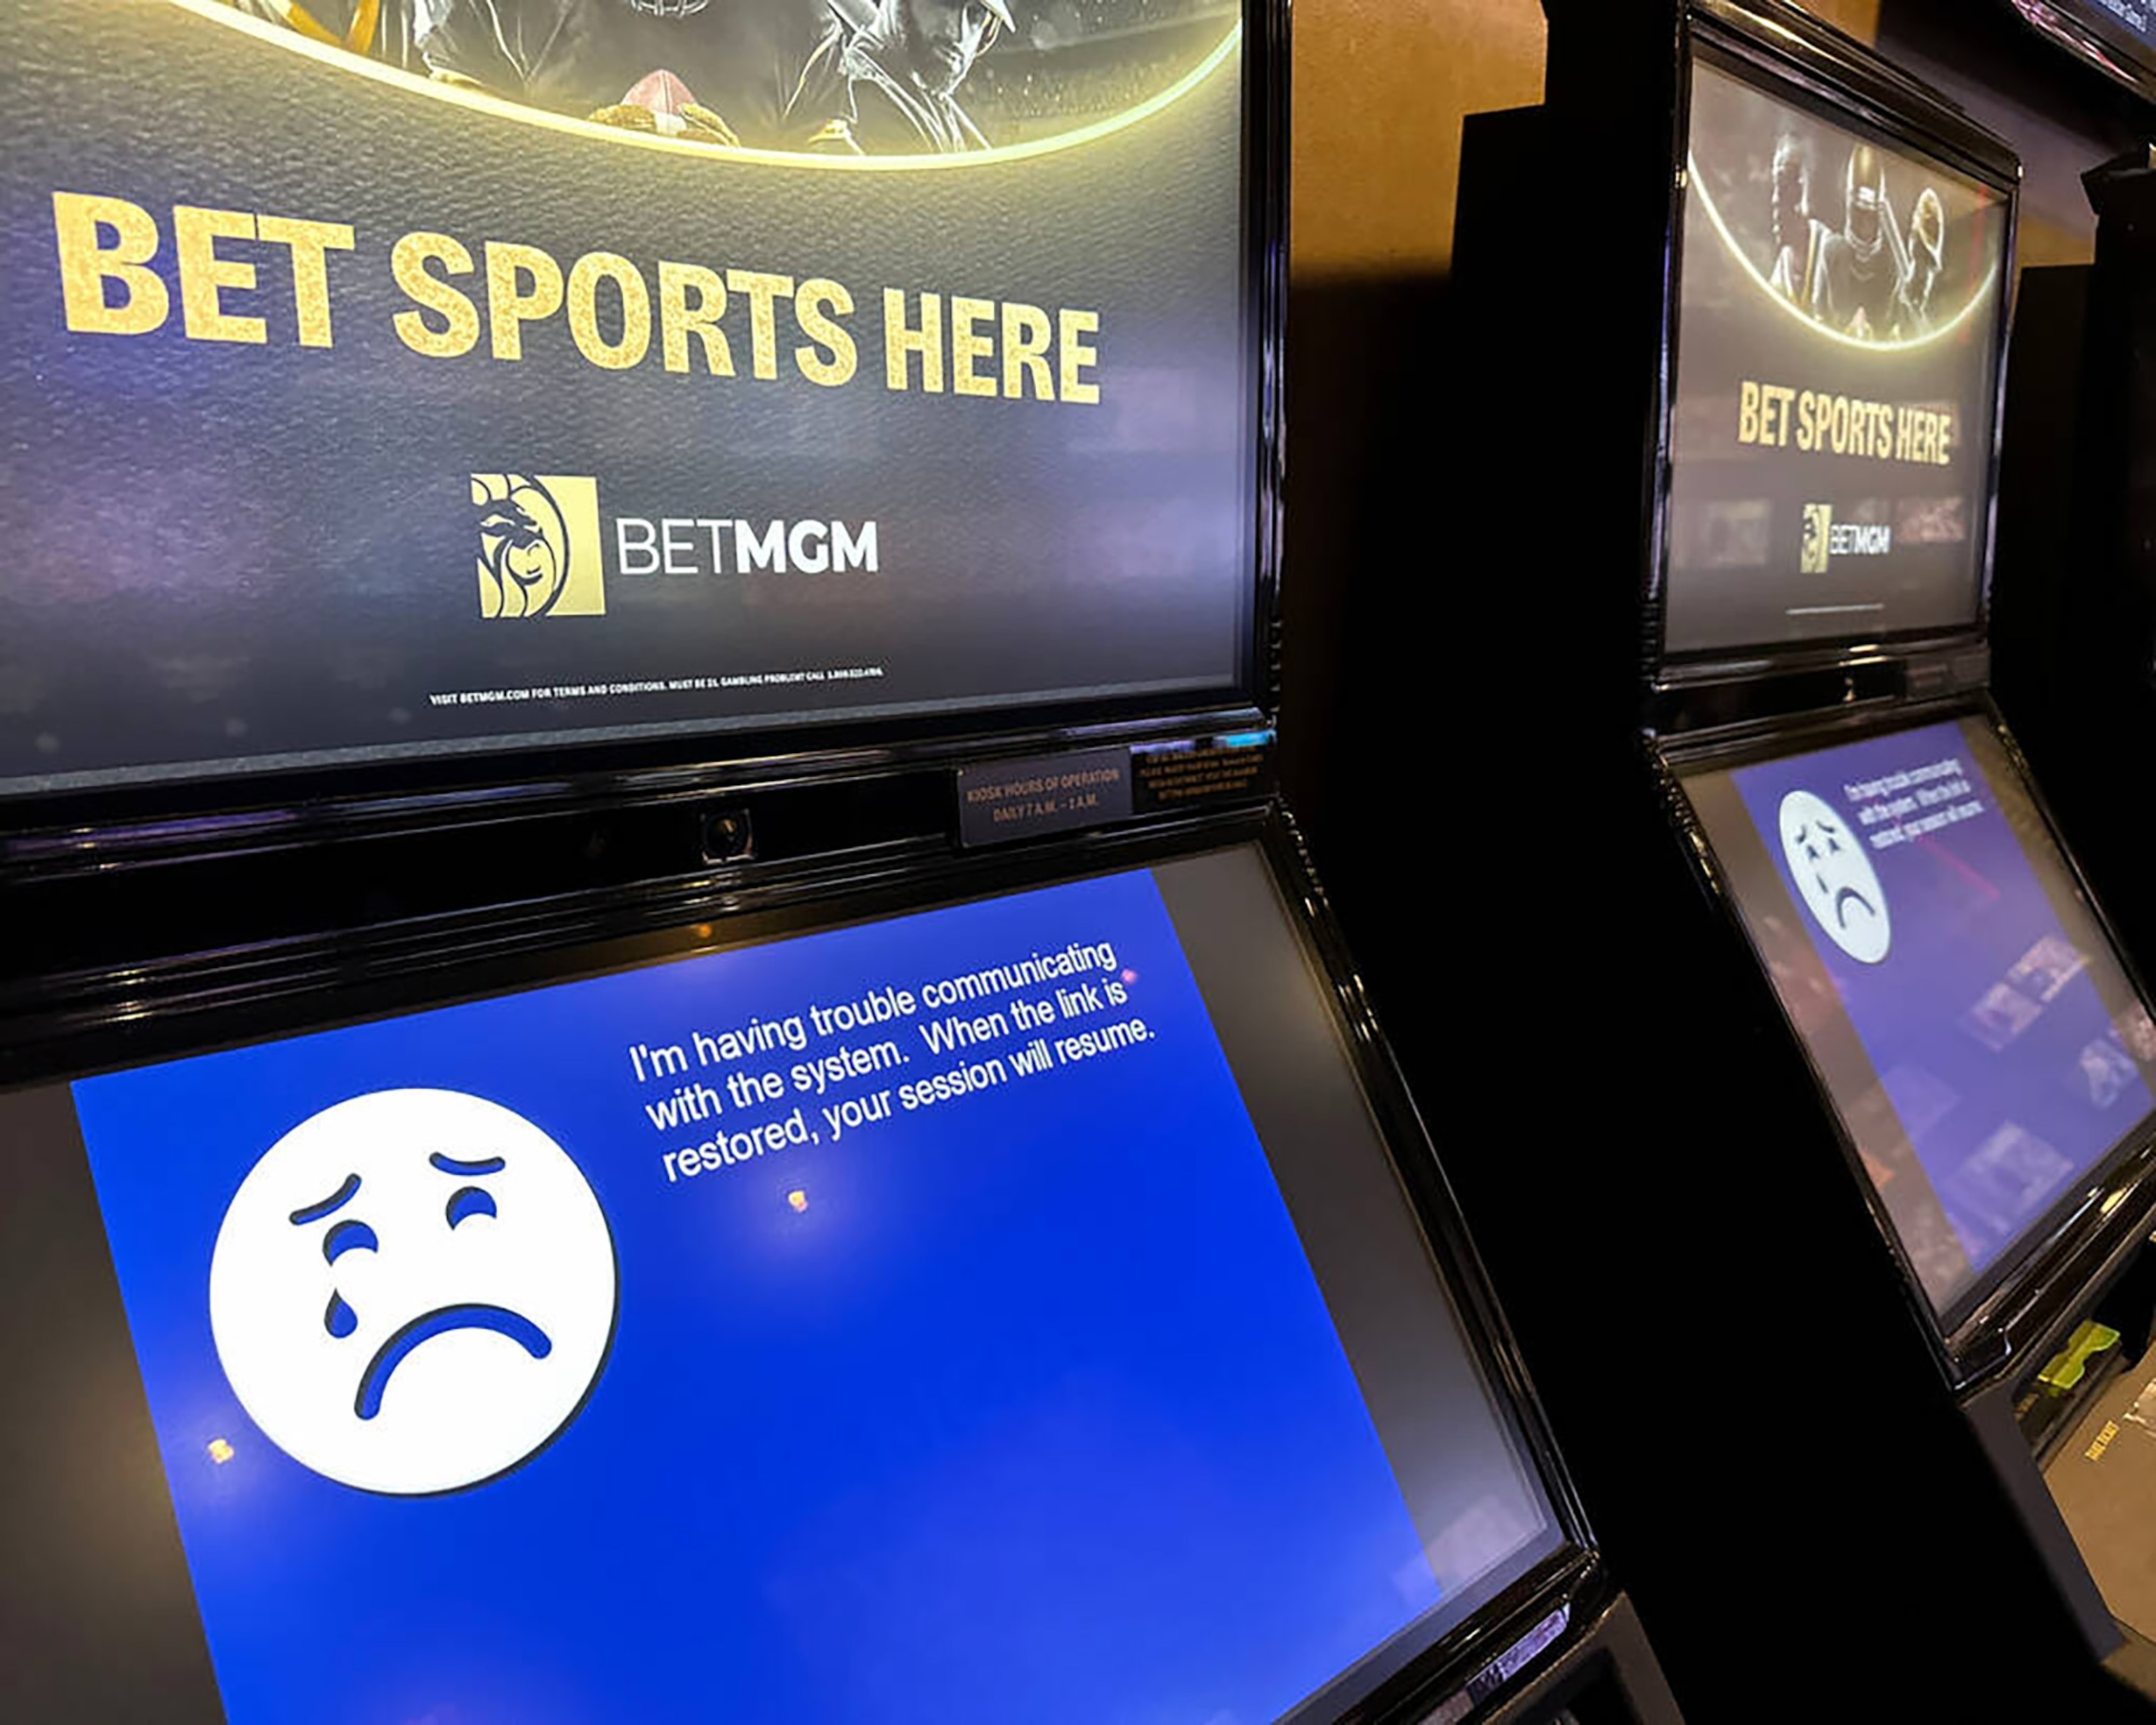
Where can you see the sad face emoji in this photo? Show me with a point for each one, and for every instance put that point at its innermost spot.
(1834, 877)
(412, 1291)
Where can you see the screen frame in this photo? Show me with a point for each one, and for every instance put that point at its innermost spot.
(2020, 1295)
(1816, 70)
(2114, 51)
(227, 1000)
(484, 771)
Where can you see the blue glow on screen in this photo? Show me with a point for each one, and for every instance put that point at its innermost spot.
(1978, 1011)
(1023, 1405)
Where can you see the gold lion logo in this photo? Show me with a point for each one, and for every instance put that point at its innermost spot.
(1819, 518)
(538, 546)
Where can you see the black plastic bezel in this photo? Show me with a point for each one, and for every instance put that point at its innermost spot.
(2076, 26)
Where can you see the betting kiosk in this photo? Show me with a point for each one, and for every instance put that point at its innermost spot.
(664, 1055)
(1862, 1106)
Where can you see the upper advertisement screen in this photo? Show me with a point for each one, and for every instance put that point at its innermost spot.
(1972, 1024)
(1006, 1311)
(464, 375)
(1837, 352)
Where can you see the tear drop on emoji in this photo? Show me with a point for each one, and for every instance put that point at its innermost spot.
(1834, 876)
(414, 1291)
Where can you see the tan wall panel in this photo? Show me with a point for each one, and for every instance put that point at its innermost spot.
(1380, 90)
(1860, 17)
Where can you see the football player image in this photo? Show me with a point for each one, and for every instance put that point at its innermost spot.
(714, 71)
(1853, 277)
(1928, 240)
(1796, 234)
(1867, 278)
(860, 78)
(903, 70)
(386, 30)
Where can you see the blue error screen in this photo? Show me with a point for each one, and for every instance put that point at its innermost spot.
(1002, 1311)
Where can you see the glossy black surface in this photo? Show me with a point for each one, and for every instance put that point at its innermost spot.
(2084, 30)
(1752, 1395)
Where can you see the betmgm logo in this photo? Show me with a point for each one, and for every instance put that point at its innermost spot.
(1819, 522)
(539, 546)
(1823, 540)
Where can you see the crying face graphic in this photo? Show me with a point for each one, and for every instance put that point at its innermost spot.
(1834, 877)
(412, 1291)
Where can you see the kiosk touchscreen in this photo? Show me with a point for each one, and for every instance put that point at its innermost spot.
(1978, 1038)
(1004, 1310)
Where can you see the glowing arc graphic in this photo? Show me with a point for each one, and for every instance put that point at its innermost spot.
(1696, 186)
(217, 11)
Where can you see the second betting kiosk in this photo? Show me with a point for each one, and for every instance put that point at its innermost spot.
(664, 1057)
(1866, 1108)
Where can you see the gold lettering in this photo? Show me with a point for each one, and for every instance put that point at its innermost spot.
(523, 285)
(459, 318)
(761, 288)
(310, 243)
(898, 340)
(968, 345)
(86, 265)
(1074, 355)
(680, 317)
(204, 276)
(584, 277)
(1027, 334)
(823, 329)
